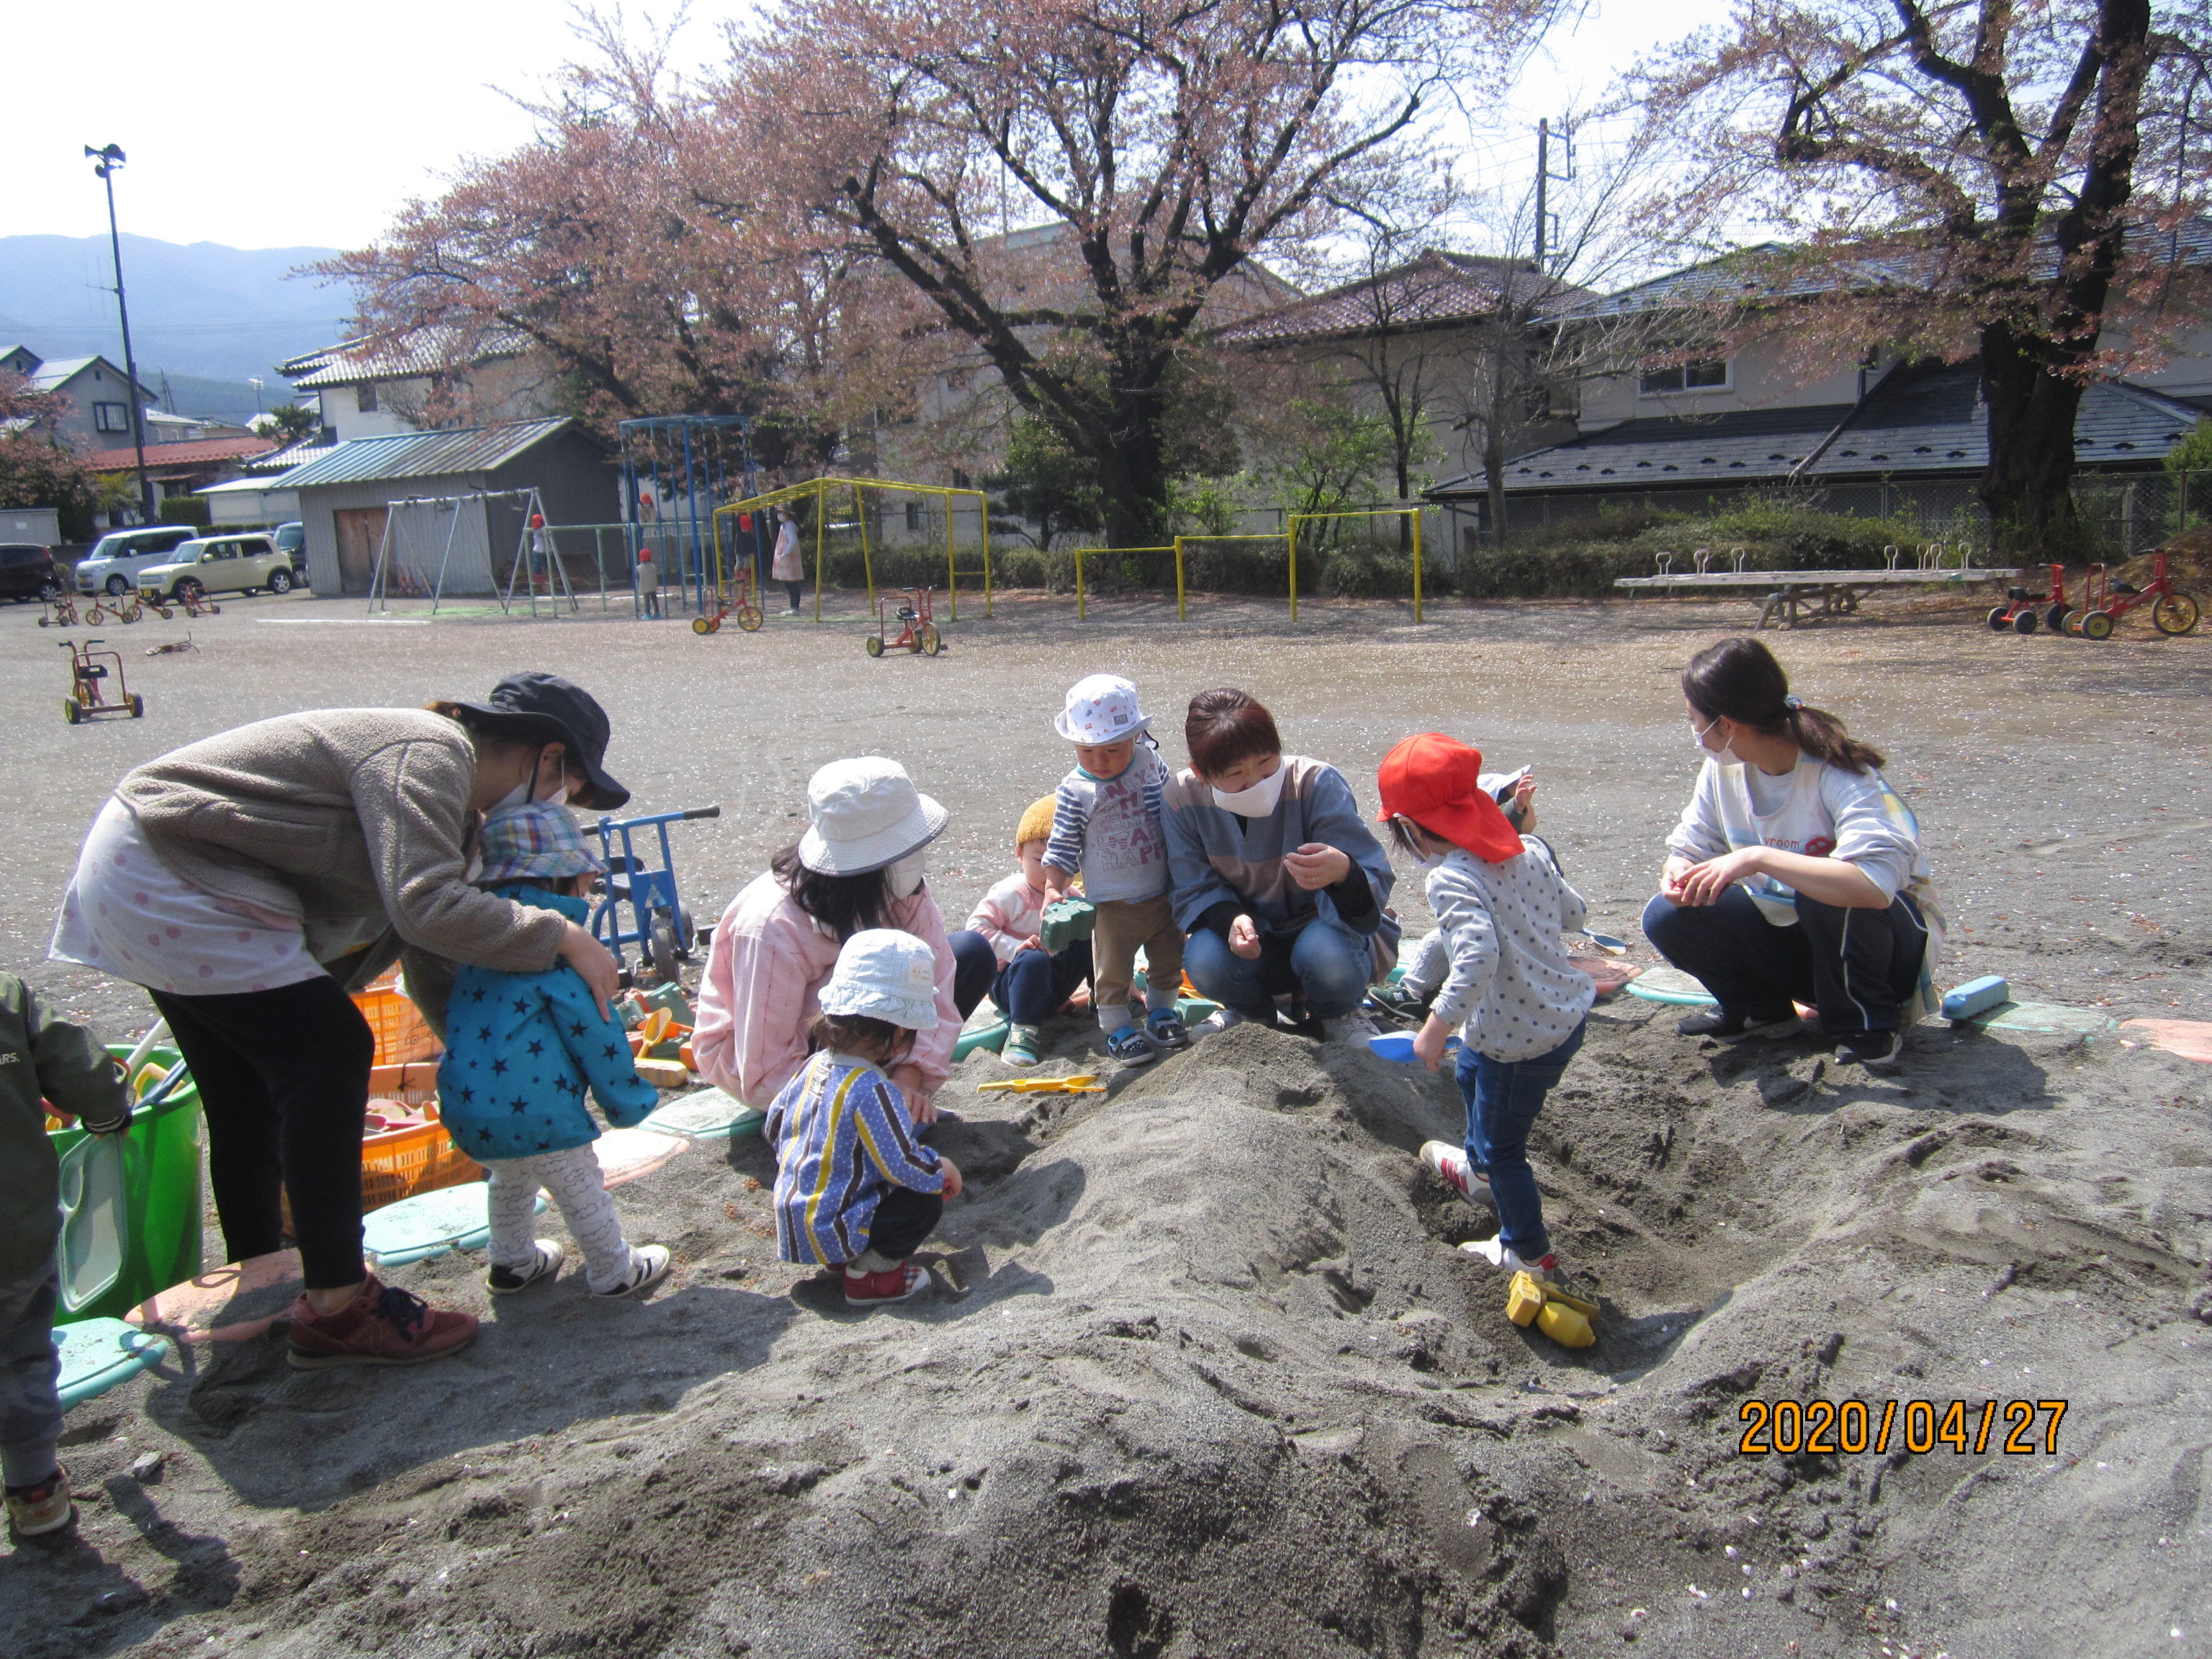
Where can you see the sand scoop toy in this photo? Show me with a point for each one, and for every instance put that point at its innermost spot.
(1084, 1083)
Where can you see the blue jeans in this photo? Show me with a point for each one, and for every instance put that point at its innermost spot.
(1502, 1098)
(30, 1409)
(1325, 959)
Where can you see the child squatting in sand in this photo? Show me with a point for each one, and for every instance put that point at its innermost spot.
(854, 1189)
(1501, 905)
(1031, 984)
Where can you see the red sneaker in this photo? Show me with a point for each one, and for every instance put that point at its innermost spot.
(382, 1326)
(892, 1285)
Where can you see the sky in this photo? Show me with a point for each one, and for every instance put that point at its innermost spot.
(300, 125)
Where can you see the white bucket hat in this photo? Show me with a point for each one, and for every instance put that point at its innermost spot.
(1101, 708)
(867, 814)
(886, 975)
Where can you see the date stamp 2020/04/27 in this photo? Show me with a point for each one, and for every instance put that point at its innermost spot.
(1919, 1426)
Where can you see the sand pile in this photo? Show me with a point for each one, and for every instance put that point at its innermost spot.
(1215, 1381)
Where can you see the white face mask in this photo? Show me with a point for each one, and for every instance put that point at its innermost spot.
(1723, 756)
(903, 877)
(525, 792)
(1258, 801)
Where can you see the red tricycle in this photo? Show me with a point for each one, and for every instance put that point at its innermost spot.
(86, 697)
(917, 631)
(2103, 601)
(2022, 609)
(737, 601)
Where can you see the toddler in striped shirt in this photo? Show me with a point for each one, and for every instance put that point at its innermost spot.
(854, 1189)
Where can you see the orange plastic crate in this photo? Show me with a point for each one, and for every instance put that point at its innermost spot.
(402, 1034)
(401, 1162)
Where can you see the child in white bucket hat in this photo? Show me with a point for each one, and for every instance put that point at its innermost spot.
(854, 1189)
(1106, 827)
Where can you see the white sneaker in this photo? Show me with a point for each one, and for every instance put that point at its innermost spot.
(1217, 1022)
(1499, 1254)
(544, 1262)
(1450, 1165)
(648, 1265)
(1355, 1027)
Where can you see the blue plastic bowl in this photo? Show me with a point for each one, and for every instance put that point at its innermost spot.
(1399, 1046)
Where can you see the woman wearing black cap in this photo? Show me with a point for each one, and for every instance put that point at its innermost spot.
(250, 880)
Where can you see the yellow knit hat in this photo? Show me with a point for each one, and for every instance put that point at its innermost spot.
(1036, 822)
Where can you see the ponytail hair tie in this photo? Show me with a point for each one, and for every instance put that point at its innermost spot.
(1791, 701)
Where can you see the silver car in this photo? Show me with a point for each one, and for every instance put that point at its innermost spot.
(116, 559)
(219, 564)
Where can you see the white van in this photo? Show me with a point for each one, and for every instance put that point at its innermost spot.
(119, 555)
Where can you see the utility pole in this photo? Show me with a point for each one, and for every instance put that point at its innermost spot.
(1543, 178)
(110, 157)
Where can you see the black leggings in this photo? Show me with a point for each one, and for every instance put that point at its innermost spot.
(903, 1218)
(283, 1079)
(791, 588)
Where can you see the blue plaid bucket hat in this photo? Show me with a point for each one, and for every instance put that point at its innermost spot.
(537, 841)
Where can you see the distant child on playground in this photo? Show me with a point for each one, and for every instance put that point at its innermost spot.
(1106, 827)
(1501, 905)
(522, 1049)
(854, 1189)
(50, 1059)
(1032, 983)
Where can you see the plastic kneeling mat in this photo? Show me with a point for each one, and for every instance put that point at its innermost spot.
(1671, 985)
(626, 1154)
(706, 1114)
(100, 1354)
(431, 1223)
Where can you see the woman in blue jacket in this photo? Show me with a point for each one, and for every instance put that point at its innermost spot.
(1275, 875)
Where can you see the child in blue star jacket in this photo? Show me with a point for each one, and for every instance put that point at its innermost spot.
(521, 1048)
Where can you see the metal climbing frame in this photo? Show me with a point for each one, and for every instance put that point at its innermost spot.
(819, 490)
(1290, 530)
(676, 470)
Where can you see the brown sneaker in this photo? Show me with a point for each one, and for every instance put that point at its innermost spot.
(45, 1508)
(382, 1326)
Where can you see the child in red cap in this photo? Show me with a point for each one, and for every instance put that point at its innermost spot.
(1501, 904)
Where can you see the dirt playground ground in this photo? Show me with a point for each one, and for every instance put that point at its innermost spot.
(1204, 1374)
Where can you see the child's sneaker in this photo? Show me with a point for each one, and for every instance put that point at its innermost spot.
(648, 1265)
(1164, 1027)
(1132, 1047)
(1355, 1027)
(894, 1284)
(1878, 1051)
(1024, 1046)
(1450, 1166)
(383, 1325)
(544, 1262)
(1499, 1254)
(45, 1508)
(1398, 1001)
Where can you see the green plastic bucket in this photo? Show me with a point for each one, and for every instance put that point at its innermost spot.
(161, 1195)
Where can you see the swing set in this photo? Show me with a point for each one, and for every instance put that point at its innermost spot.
(745, 522)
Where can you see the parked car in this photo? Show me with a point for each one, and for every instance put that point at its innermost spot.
(219, 564)
(120, 555)
(27, 572)
(292, 542)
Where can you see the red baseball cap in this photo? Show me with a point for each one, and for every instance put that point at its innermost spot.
(1437, 782)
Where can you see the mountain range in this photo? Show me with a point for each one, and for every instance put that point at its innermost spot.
(209, 316)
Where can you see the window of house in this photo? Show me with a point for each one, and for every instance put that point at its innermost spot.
(365, 397)
(1705, 376)
(913, 515)
(956, 380)
(110, 418)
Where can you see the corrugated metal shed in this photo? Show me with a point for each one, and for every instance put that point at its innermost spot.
(424, 454)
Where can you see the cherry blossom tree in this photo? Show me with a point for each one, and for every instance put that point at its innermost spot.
(1153, 153)
(2021, 181)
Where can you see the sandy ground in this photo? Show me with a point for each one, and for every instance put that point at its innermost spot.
(1205, 1374)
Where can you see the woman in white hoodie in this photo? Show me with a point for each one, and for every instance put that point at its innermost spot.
(1796, 873)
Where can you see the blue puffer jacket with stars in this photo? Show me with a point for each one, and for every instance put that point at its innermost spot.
(520, 1049)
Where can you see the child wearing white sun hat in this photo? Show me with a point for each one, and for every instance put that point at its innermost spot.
(854, 1189)
(1106, 828)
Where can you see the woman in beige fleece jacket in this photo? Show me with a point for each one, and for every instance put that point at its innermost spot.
(250, 880)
